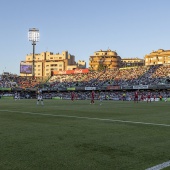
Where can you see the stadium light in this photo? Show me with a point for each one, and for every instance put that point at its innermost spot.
(33, 36)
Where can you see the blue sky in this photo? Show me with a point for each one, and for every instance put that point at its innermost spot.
(131, 27)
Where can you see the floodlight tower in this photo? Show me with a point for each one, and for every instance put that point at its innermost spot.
(33, 36)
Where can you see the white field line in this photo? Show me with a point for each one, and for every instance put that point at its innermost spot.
(160, 166)
(89, 118)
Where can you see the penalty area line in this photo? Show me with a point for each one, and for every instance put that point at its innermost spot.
(88, 118)
(160, 166)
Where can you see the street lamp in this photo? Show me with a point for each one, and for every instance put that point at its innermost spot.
(33, 36)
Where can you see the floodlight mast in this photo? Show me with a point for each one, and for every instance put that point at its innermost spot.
(33, 36)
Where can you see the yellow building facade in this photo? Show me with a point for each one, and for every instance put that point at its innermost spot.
(158, 57)
(46, 62)
(81, 64)
(108, 59)
(132, 62)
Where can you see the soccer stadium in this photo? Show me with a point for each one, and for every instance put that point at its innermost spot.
(85, 85)
(67, 131)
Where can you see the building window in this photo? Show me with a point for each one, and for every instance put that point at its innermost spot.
(53, 65)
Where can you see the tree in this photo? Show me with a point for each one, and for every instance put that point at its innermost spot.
(102, 67)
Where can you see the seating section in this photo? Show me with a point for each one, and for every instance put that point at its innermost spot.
(143, 75)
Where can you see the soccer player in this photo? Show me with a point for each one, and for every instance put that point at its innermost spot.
(124, 96)
(149, 97)
(18, 96)
(72, 96)
(92, 97)
(154, 97)
(39, 97)
(100, 98)
(15, 96)
(165, 98)
(136, 97)
(142, 97)
(160, 97)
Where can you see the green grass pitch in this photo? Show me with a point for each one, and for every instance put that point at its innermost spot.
(76, 135)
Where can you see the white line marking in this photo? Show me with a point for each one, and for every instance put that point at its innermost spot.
(160, 166)
(89, 118)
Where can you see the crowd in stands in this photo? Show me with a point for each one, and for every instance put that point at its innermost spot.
(87, 79)
(13, 81)
(142, 75)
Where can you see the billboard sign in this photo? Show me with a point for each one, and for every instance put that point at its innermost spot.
(76, 71)
(26, 69)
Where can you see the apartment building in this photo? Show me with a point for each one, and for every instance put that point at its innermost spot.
(158, 57)
(107, 59)
(46, 62)
(132, 62)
